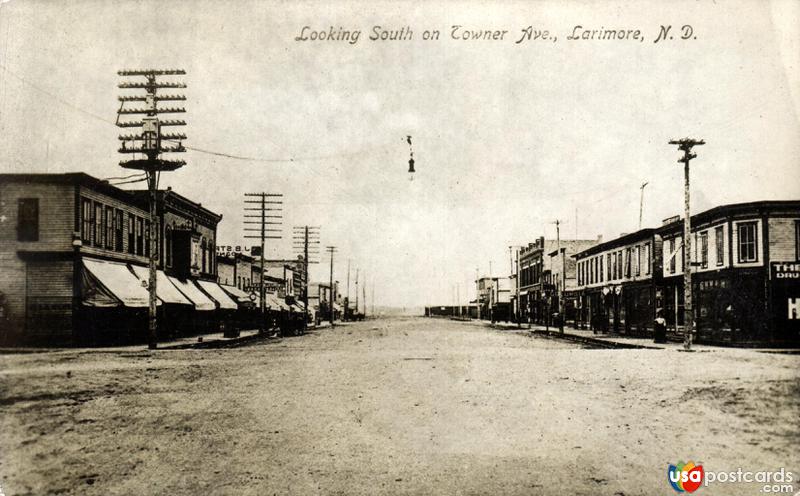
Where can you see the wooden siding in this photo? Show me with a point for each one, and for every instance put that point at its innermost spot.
(49, 298)
(56, 224)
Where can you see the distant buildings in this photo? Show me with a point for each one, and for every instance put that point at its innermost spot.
(745, 264)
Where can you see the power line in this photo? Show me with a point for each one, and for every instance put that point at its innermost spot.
(309, 158)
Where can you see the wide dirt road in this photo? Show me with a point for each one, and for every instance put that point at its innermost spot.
(403, 406)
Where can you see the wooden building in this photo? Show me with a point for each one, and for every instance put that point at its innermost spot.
(745, 274)
(74, 252)
(618, 283)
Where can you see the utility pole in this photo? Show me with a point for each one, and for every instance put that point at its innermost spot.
(364, 295)
(478, 292)
(560, 292)
(516, 283)
(356, 310)
(641, 204)
(347, 307)
(269, 207)
(147, 148)
(303, 237)
(685, 145)
(331, 250)
(458, 299)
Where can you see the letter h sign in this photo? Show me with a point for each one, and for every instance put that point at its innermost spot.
(794, 308)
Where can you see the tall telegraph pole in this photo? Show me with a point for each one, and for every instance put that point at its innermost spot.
(306, 239)
(269, 208)
(331, 250)
(685, 145)
(560, 292)
(147, 148)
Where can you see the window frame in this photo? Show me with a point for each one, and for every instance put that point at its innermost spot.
(703, 249)
(719, 245)
(673, 258)
(28, 221)
(99, 226)
(740, 226)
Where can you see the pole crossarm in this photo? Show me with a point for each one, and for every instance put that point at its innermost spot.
(685, 145)
(148, 142)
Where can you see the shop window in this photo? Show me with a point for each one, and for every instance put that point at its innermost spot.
(748, 240)
(28, 219)
(719, 244)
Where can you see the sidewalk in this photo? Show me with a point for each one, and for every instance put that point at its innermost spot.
(590, 338)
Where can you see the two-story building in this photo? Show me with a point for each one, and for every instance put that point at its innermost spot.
(745, 274)
(65, 242)
(563, 275)
(74, 253)
(618, 283)
(533, 272)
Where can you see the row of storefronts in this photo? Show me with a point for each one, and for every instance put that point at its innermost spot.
(74, 255)
(745, 263)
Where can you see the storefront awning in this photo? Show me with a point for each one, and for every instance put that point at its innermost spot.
(211, 288)
(238, 294)
(193, 293)
(165, 290)
(276, 303)
(111, 284)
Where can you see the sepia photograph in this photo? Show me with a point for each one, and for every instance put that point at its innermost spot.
(264, 247)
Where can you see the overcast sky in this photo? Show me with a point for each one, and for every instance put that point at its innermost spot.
(507, 137)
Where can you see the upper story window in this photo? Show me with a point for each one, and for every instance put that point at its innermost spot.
(719, 244)
(704, 249)
(87, 221)
(98, 225)
(110, 228)
(147, 238)
(628, 253)
(139, 236)
(748, 239)
(638, 260)
(28, 219)
(119, 224)
(672, 256)
(168, 246)
(647, 258)
(797, 239)
(131, 234)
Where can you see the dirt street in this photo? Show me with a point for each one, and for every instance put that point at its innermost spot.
(401, 406)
